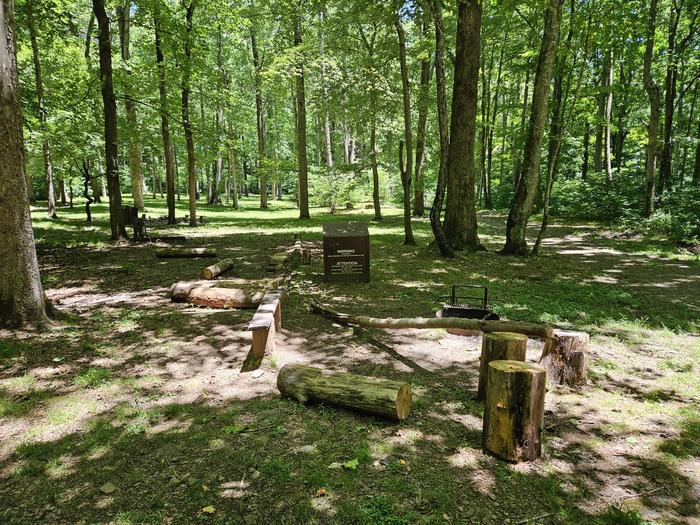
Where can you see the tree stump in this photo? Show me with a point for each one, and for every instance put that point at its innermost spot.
(216, 269)
(499, 346)
(565, 357)
(514, 413)
(382, 397)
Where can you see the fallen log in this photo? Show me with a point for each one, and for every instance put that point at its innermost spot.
(216, 269)
(530, 329)
(382, 397)
(185, 252)
(233, 293)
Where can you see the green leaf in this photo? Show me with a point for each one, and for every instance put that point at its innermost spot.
(234, 429)
(351, 464)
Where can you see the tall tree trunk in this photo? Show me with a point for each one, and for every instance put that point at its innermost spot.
(408, 135)
(260, 122)
(665, 168)
(460, 216)
(653, 128)
(586, 149)
(186, 123)
(116, 217)
(419, 184)
(517, 169)
(375, 170)
(440, 89)
(215, 198)
(608, 117)
(328, 137)
(22, 299)
(123, 12)
(488, 199)
(696, 167)
(164, 120)
(526, 190)
(301, 125)
(43, 118)
(600, 120)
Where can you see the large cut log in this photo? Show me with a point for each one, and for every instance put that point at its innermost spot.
(382, 397)
(565, 357)
(514, 411)
(185, 252)
(216, 269)
(499, 346)
(530, 329)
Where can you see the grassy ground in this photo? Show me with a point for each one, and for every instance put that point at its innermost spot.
(136, 410)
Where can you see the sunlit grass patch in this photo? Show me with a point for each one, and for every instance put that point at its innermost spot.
(92, 377)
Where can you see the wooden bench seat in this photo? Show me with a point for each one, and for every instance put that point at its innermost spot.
(266, 321)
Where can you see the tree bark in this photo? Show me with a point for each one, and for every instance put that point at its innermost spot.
(529, 329)
(586, 149)
(43, 117)
(497, 346)
(186, 123)
(260, 122)
(419, 183)
(407, 171)
(440, 89)
(123, 12)
(381, 397)
(652, 91)
(164, 119)
(460, 215)
(116, 218)
(301, 125)
(514, 411)
(696, 167)
(565, 357)
(608, 117)
(218, 165)
(526, 190)
(22, 299)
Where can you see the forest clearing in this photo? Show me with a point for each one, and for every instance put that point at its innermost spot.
(350, 262)
(146, 397)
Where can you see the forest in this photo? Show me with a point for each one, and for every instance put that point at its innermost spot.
(376, 262)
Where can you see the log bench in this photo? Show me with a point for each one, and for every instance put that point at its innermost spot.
(266, 322)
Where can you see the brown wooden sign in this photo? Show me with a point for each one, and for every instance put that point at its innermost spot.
(346, 252)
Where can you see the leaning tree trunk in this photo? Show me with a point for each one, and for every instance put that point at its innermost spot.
(301, 125)
(526, 189)
(407, 171)
(22, 298)
(164, 122)
(436, 210)
(116, 218)
(654, 111)
(460, 215)
(124, 15)
(46, 147)
(382, 397)
(186, 123)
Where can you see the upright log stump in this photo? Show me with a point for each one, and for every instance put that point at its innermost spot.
(382, 397)
(565, 357)
(514, 413)
(499, 346)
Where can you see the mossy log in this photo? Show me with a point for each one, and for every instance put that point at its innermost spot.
(529, 329)
(382, 397)
(514, 411)
(498, 346)
(216, 269)
(565, 357)
(185, 252)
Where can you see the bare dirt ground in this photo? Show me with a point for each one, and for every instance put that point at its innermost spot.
(137, 411)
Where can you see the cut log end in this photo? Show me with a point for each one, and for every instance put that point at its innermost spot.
(404, 398)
